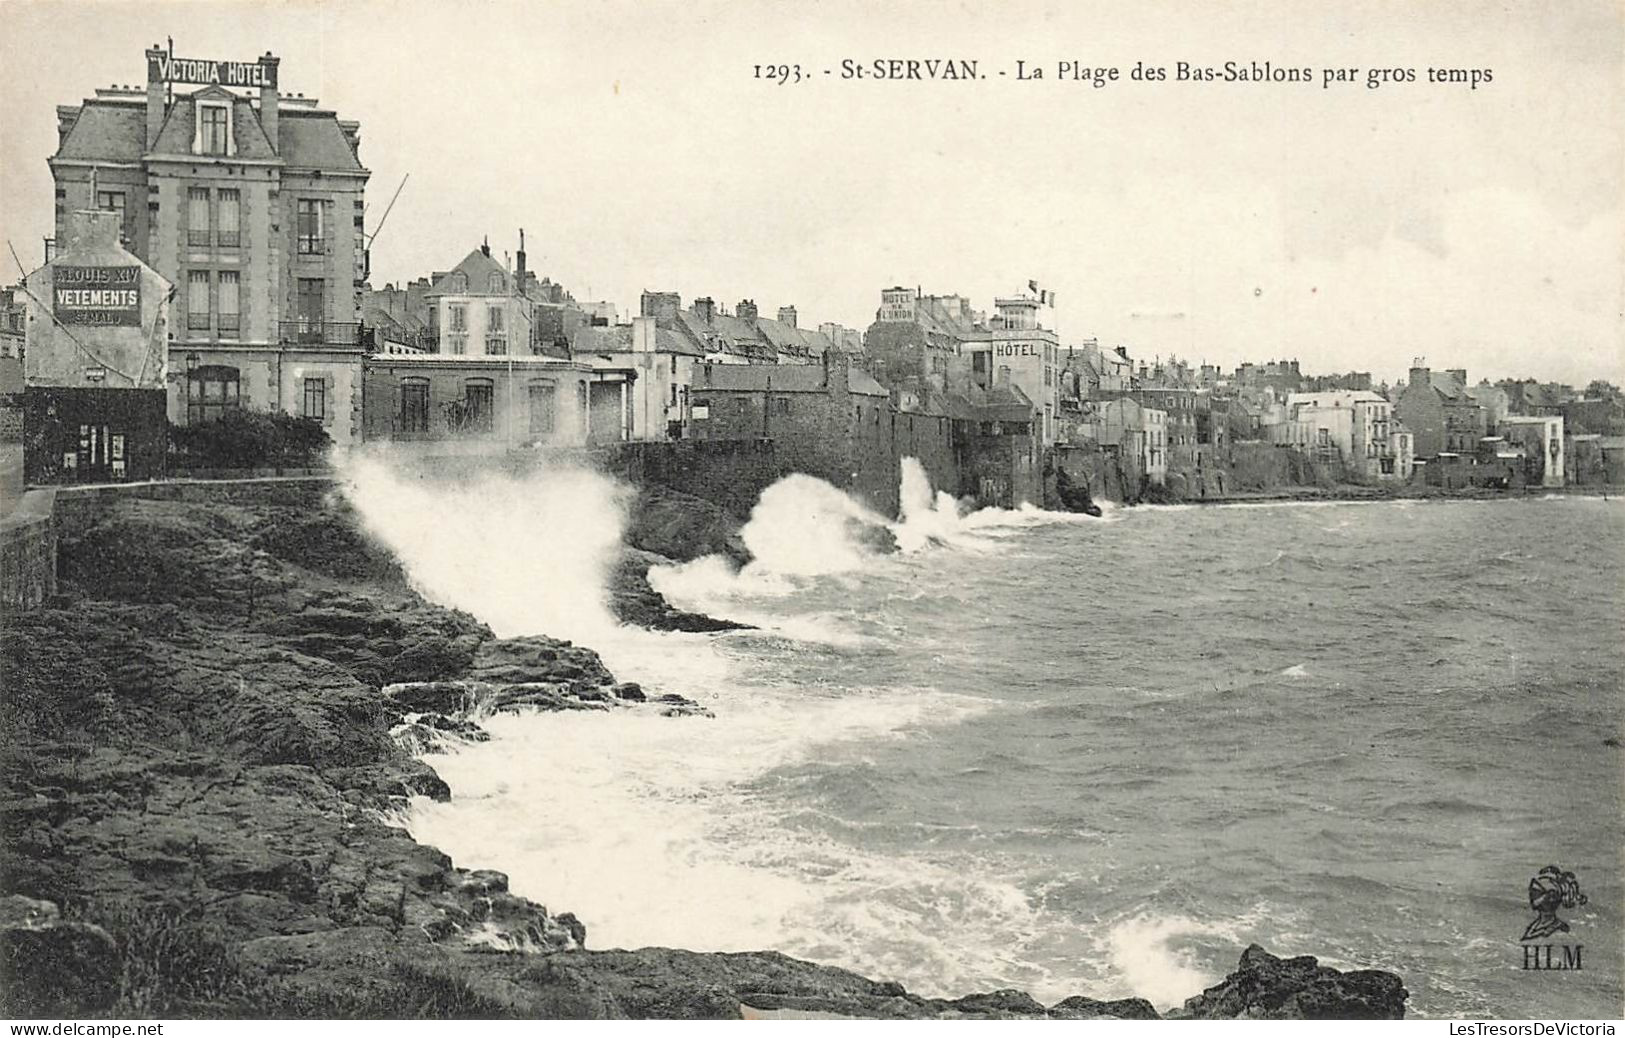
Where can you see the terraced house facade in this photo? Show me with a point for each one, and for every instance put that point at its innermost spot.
(250, 202)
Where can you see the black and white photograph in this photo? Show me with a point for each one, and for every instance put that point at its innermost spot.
(820, 511)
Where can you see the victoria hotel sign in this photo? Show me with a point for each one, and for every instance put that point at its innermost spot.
(166, 68)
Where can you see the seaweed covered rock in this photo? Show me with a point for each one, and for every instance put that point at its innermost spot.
(1266, 987)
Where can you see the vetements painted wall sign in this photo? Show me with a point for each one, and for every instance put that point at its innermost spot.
(97, 295)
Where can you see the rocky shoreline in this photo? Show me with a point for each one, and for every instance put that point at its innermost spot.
(210, 730)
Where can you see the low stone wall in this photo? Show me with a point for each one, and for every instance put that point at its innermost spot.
(28, 553)
(29, 532)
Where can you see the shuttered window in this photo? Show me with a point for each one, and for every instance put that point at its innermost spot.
(230, 219)
(229, 314)
(197, 300)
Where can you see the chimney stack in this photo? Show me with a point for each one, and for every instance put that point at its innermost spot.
(747, 311)
(787, 315)
(521, 256)
(485, 246)
(643, 334)
(91, 229)
(705, 308)
(269, 99)
(155, 97)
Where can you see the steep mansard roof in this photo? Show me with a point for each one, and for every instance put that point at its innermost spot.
(114, 130)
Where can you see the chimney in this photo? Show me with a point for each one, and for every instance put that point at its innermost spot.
(787, 315)
(269, 99)
(705, 308)
(643, 335)
(746, 311)
(521, 257)
(155, 96)
(91, 229)
(1121, 351)
(485, 246)
(1460, 373)
(837, 373)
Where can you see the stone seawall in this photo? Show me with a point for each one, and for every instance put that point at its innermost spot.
(28, 553)
(728, 473)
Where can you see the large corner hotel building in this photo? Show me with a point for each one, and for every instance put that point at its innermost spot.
(250, 202)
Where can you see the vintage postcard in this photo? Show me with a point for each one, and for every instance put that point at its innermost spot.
(592, 509)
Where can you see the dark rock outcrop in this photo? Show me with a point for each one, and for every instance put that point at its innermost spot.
(680, 526)
(1079, 1007)
(1265, 987)
(635, 602)
(47, 961)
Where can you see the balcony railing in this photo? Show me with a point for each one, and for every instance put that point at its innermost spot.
(322, 333)
(305, 245)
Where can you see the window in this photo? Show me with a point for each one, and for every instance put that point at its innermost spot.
(457, 344)
(114, 201)
(496, 345)
(458, 282)
(781, 405)
(415, 405)
(211, 391)
(493, 318)
(230, 219)
(673, 395)
(315, 398)
(228, 303)
(542, 397)
(311, 304)
(214, 129)
(197, 300)
(479, 403)
(741, 405)
(495, 283)
(457, 314)
(311, 242)
(197, 216)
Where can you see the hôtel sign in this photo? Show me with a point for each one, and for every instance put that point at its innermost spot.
(97, 295)
(166, 68)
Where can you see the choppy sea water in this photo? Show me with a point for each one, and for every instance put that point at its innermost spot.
(1101, 756)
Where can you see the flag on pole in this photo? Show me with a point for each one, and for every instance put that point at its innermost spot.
(1032, 286)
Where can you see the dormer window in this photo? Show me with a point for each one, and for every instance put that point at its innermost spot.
(213, 128)
(458, 282)
(495, 283)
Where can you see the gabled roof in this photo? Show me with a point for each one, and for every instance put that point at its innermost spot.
(478, 267)
(780, 335)
(598, 338)
(1448, 385)
(732, 329)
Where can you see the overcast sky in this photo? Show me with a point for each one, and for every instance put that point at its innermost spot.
(1348, 227)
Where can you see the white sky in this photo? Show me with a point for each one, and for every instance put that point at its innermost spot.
(1350, 228)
